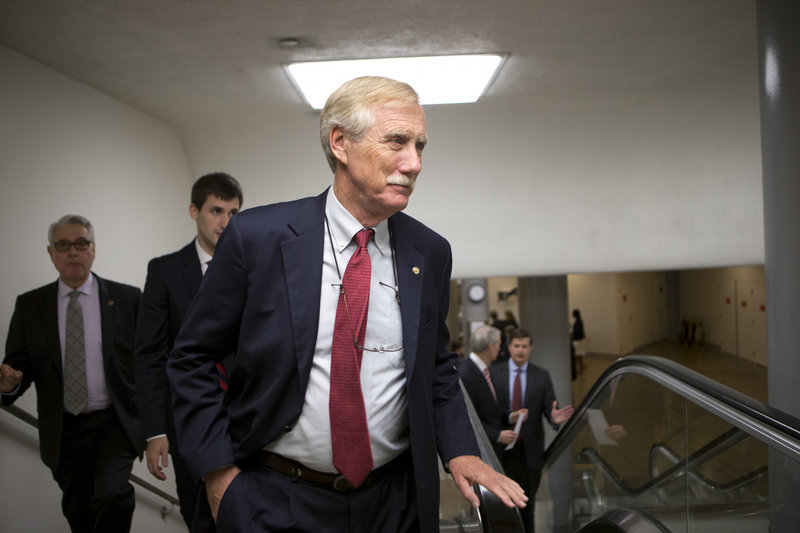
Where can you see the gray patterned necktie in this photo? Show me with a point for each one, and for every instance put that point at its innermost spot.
(76, 394)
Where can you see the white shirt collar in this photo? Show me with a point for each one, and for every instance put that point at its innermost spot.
(478, 361)
(344, 226)
(202, 255)
(88, 288)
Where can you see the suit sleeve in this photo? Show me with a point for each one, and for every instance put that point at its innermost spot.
(17, 353)
(209, 333)
(454, 433)
(472, 384)
(549, 398)
(152, 348)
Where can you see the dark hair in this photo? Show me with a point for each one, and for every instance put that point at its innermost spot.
(219, 184)
(520, 334)
(576, 314)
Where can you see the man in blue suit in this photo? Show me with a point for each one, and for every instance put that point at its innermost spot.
(474, 372)
(522, 385)
(172, 281)
(274, 295)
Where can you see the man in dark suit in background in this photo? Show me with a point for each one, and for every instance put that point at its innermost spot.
(73, 339)
(474, 372)
(522, 385)
(172, 281)
(300, 291)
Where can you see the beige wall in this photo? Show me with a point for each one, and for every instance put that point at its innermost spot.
(731, 304)
(595, 295)
(621, 312)
(627, 310)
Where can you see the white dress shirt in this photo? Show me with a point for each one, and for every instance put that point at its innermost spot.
(203, 256)
(383, 380)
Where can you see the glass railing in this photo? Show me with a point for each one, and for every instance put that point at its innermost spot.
(687, 452)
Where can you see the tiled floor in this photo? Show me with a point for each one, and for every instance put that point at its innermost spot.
(739, 374)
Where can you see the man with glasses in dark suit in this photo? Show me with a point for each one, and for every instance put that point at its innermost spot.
(73, 339)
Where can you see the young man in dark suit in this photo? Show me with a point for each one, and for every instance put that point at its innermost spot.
(73, 339)
(522, 385)
(172, 281)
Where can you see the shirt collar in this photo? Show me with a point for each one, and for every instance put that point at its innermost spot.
(344, 226)
(202, 255)
(512, 367)
(88, 288)
(478, 361)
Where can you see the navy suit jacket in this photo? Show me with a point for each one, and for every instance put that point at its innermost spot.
(539, 398)
(260, 297)
(34, 348)
(491, 413)
(172, 281)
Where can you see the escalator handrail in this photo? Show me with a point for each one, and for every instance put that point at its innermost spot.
(31, 420)
(780, 430)
(494, 516)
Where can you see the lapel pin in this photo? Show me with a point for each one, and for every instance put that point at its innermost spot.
(110, 303)
(415, 270)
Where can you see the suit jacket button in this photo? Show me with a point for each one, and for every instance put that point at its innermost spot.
(287, 429)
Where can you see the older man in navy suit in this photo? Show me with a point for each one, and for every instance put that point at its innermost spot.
(172, 281)
(341, 390)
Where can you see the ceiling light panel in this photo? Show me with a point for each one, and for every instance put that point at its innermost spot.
(437, 79)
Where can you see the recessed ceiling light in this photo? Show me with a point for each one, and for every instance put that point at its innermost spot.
(437, 79)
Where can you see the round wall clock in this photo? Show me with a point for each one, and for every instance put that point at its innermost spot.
(476, 293)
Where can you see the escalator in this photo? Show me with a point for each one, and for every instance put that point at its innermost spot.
(655, 446)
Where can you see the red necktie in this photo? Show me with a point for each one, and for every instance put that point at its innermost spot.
(223, 375)
(349, 434)
(516, 399)
(489, 382)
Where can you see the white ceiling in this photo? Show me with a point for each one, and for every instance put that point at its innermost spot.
(200, 60)
(619, 134)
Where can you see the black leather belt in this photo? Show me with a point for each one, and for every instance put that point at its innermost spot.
(296, 470)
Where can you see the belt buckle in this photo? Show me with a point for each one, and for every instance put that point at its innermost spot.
(341, 484)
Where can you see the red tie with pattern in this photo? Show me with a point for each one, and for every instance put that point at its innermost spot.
(349, 434)
(488, 377)
(516, 399)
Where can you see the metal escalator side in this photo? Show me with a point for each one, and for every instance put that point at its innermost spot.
(171, 500)
(658, 438)
(456, 514)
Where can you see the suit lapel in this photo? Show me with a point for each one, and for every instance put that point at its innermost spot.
(501, 385)
(191, 270)
(530, 385)
(49, 316)
(302, 264)
(410, 278)
(108, 319)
